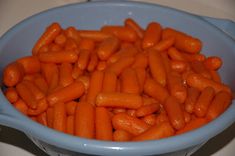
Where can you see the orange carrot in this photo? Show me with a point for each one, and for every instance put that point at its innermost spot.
(103, 124)
(72, 33)
(93, 62)
(96, 83)
(155, 90)
(204, 101)
(83, 59)
(38, 94)
(70, 92)
(30, 64)
(150, 119)
(200, 82)
(50, 117)
(42, 106)
(219, 104)
(118, 110)
(42, 119)
(53, 48)
(193, 57)
(60, 39)
(215, 76)
(102, 65)
(187, 116)
(94, 35)
(131, 112)
(179, 66)
(121, 135)
(11, 95)
(141, 76)
(59, 118)
(199, 68)
(87, 44)
(47, 37)
(175, 54)
(76, 71)
(70, 125)
(71, 107)
(71, 45)
(13, 73)
(148, 100)
(109, 82)
(58, 57)
(129, 22)
(85, 120)
(107, 48)
(164, 44)
(141, 61)
(175, 112)
(21, 106)
(41, 83)
(157, 67)
(133, 125)
(152, 35)
(213, 63)
(65, 74)
(115, 99)
(192, 95)
(161, 117)
(160, 131)
(147, 109)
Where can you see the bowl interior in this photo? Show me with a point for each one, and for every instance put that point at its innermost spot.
(19, 40)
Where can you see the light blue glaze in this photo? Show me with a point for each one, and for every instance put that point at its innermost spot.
(18, 42)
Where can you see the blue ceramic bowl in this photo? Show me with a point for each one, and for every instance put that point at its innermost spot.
(18, 42)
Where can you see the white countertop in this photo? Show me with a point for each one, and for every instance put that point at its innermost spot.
(13, 142)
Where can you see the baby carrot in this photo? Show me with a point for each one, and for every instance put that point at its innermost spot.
(30, 64)
(118, 110)
(103, 124)
(141, 76)
(70, 125)
(129, 22)
(175, 112)
(70, 107)
(41, 83)
(72, 33)
(109, 82)
(76, 71)
(193, 124)
(200, 82)
(213, 63)
(38, 94)
(175, 54)
(187, 116)
(179, 66)
(59, 118)
(83, 59)
(87, 44)
(160, 131)
(94, 35)
(192, 95)
(107, 47)
(164, 44)
(121, 32)
(52, 48)
(141, 61)
(26, 94)
(148, 100)
(42, 106)
(70, 92)
(215, 76)
(121, 135)
(161, 117)
(133, 125)
(71, 45)
(101, 66)
(42, 119)
(152, 35)
(96, 83)
(155, 90)
(65, 74)
(129, 81)
(11, 95)
(47, 37)
(93, 62)
(199, 68)
(150, 119)
(58, 57)
(85, 120)
(166, 62)
(60, 39)
(204, 101)
(193, 57)
(21, 106)
(50, 116)
(147, 109)
(12, 74)
(157, 67)
(115, 99)
(219, 104)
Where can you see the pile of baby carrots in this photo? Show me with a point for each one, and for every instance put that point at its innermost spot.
(119, 83)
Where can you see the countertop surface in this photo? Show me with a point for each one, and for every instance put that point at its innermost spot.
(13, 142)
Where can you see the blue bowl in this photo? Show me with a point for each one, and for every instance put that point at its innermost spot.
(18, 42)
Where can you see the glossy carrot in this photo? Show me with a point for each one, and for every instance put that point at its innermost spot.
(219, 104)
(76, 71)
(107, 47)
(12, 74)
(179, 66)
(59, 118)
(129, 81)
(53, 48)
(175, 54)
(192, 95)
(148, 100)
(96, 83)
(101, 66)
(72, 33)
(87, 44)
(65, 74)
(200, 82)
(60, 39)
(147, 109)
(192, 125)
(157, 67)
(204, 101)
(141, 76)
(129, 22)
(193, 57)
(71, 107)
(94, 35)
(50, 117)
(150, 119)
(11, 95)
(103, 124)
(42, 106)
(215, 76)
(109, 82)
(166, 62)
(198, 67)
(58, 57)
(118, 110)
(21, 106)
(41, 83)
(160, 131)
(213, 63)
(152, 35)
(42, 119)
(70, 125)
(176, 87)
(121, 135)
(47, 37)
(174, 112)
(164, 44)
(83, 59)
(38, 94)
(71, 45)
(155, 90)
(187, 116)
(30, 64)
(161, 117)
(121, 32)
(68, 93)
(93, 62)
(85, 120)
(115, 99)
(141, 61)
(133, 125)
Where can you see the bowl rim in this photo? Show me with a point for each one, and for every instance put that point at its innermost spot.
(92, 146)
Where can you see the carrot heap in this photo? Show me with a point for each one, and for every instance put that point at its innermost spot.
(119, 83)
